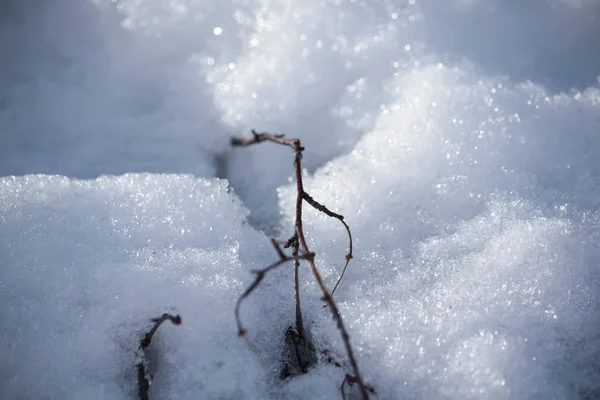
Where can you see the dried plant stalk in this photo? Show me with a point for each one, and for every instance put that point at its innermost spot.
(298, 242)
(143, 382)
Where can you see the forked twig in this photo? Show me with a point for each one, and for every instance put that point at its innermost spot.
(143, 382)
(298, 241)
(326, 211)
(260, 275)
(280, 139)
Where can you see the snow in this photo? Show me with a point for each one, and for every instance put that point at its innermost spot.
(86, 264)
(458, 138)
(475, 269)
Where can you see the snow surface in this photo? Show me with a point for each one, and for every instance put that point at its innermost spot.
(459, 138)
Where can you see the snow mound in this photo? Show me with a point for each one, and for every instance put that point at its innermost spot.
(474, 208)
(84, 265)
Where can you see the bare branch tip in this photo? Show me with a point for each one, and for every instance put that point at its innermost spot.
(280, 252)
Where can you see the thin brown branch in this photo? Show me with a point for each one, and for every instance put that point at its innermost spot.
(299, 233)
(143, 382)
(261, 137)
(339, 217)
(299, 321)
(278, 249)
(340, 324)
(296, 146)
(321, 207)
(260, 275)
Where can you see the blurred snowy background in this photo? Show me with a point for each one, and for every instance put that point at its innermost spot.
(459, 138)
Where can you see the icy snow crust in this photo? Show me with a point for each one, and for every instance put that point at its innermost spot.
(85, 264)
(460, 140)
(476, 273)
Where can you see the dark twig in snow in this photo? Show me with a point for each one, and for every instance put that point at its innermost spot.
(295, 145)
(298, 241)
(295, 245)
(260, 275)
(350, 380)
(143, 382)
(278, 249)
(326, 211)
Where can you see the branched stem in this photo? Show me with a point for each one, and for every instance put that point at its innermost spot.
(260, 275)
(326, 211)
(298, 241)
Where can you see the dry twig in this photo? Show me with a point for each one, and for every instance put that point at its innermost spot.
(260, 275)
(350, 380)
(143, 382)
(297, 242)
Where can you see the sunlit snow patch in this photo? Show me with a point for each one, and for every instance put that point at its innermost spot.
(84, 265)
(474, 208)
